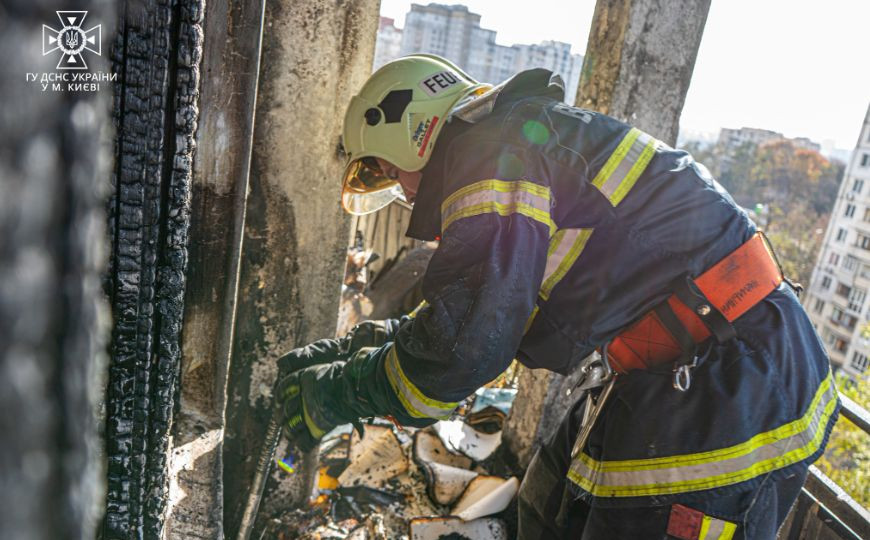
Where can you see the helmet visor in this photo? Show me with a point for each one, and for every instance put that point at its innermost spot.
(365, 187)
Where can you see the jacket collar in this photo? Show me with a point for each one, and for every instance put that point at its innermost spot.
(425, 222)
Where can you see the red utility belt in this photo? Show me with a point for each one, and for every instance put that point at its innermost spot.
(700, 308)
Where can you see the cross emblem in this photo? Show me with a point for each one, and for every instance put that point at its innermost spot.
(71, 40)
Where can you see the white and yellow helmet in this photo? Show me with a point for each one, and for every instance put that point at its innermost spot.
(397, 116)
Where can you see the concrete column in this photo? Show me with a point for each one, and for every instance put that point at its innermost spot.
(639, 61)
(638, 65)
(316, 54)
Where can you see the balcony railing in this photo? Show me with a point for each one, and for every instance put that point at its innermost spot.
(823, 510)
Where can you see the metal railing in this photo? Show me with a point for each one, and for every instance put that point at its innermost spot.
(823, 510)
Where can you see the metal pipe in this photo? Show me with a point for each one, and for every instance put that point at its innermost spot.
(264, 463)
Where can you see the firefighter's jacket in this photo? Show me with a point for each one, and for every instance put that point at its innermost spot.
(558, 228)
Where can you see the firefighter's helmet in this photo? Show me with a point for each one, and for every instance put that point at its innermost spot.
(397, 116)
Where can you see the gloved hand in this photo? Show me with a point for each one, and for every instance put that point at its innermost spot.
(318, 398)
(299, 425)
(371, 334)
(315, 390)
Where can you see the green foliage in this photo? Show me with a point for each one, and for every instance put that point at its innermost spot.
(798, 187)
(847, 459)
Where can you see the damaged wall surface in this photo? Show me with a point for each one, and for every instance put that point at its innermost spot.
(53, 317)
(155, 55)
(315, 54)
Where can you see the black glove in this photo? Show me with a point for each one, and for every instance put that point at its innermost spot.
(299, 424)
(371, 334)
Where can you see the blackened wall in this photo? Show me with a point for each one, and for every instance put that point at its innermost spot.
(155, 55)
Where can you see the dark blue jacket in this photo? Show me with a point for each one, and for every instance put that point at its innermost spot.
(558, 228)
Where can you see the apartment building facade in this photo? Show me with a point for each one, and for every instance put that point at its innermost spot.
(452, 31)
(836, 299)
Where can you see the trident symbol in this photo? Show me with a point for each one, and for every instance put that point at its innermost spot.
(72, 40)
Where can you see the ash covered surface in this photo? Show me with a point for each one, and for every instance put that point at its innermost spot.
(396, 483)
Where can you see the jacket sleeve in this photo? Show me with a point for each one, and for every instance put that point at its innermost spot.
(481, 286)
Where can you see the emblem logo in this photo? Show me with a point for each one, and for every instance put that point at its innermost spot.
(71, 40)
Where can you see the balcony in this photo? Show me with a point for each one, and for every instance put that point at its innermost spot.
(823, 510)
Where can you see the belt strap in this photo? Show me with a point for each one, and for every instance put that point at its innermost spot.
(704, 306)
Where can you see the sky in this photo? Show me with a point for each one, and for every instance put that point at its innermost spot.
(800, 67)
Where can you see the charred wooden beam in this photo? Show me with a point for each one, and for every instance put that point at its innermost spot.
(156, 56)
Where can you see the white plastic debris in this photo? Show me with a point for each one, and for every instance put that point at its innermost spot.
(484, 496)
(375, 459)
(435, 528)
(428, 448)
(460, 437)
(445, 483)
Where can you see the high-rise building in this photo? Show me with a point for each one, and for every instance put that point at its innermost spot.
(837, 297)
(730, 140)
(455, 33)
(389, 42)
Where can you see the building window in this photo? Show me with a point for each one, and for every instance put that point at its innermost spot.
(840, 345)
(858, 186)
(843, 319)
(819, 306)
(856, 299)
(843, 290)
(850, 263)
(865, 160)
(841, 234)
(867, 214)
(834, 259)
(850, 210)
(859, 362)
(826, 282)
(863, 242)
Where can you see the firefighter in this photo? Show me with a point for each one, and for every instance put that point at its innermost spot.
(564, 231)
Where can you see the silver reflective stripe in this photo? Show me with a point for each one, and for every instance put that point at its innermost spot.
(765, 452)
(565, 247)
(501, 197)
(414, 401)
(624, 167)
(715, 530)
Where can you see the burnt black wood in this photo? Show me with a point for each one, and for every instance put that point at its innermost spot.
(156, 55)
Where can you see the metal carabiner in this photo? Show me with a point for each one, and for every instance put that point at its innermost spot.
(683, 375)
(683, 378)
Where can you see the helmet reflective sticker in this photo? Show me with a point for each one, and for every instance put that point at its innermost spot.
(439, 82)
(422, 130)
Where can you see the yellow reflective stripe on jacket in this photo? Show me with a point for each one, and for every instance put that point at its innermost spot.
(414, 401)
(768, 451)
(625, 165)
(565, 246)
(502, 197)
(716, 529)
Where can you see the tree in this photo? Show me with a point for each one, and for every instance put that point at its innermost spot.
(847, 458)
(797, 185)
